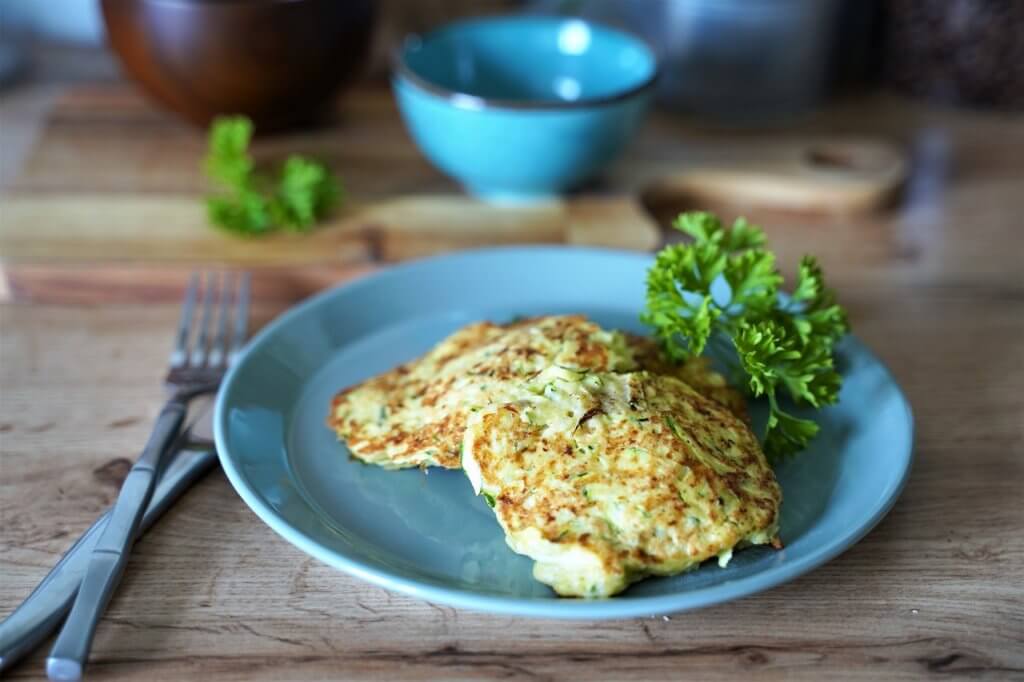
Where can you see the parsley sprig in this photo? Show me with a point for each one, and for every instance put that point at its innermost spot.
(722, 290)
(249, 203)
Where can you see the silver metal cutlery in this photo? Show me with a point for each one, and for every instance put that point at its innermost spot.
(210, 333)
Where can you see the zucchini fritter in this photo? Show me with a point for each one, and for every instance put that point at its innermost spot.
(605, 478)
(415, 414)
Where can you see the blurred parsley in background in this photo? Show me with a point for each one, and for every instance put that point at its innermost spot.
(248, 203)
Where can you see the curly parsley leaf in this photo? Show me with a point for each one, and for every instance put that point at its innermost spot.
(251, 204)
(723, 289)
(681, 317)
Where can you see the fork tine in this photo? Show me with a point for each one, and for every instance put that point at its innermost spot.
(241, 317)
(218, 349)
(199, 351)
(179, 356)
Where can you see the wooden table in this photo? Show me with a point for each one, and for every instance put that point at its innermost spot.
(935, 286)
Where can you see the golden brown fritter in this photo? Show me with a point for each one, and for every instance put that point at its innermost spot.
(415, 414)
(606, 478)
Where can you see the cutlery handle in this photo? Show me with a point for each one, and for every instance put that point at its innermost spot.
(110, 555)
(42, 611)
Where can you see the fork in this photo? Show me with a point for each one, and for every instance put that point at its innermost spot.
(195, 367)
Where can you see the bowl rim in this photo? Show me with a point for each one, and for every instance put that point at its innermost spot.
(467, 100)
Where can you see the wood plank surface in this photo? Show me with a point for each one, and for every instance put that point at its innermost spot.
(934, 590)
(934, 284)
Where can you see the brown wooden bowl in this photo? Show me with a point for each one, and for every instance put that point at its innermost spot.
(280, 62)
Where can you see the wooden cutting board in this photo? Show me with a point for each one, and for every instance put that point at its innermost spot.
(109, 204)
(82, 247)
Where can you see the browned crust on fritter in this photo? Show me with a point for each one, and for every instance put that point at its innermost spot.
(512, 357)
(696, 372)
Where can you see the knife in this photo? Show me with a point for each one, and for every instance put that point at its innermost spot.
(42, 612)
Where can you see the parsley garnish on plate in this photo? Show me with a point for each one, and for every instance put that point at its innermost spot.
(722, 290)
(249, 203)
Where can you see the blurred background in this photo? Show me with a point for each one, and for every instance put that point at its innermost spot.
(728, 62)
(746, 61)
(849, 115)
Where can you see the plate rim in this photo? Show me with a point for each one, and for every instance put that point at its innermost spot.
(553, 608)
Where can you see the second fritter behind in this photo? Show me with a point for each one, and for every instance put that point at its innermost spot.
(416, 414)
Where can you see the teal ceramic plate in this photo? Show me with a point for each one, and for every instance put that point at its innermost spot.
(423, 533)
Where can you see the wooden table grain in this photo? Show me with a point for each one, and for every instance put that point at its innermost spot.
(935, 286)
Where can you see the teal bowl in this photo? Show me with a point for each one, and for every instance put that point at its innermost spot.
(523, 107)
